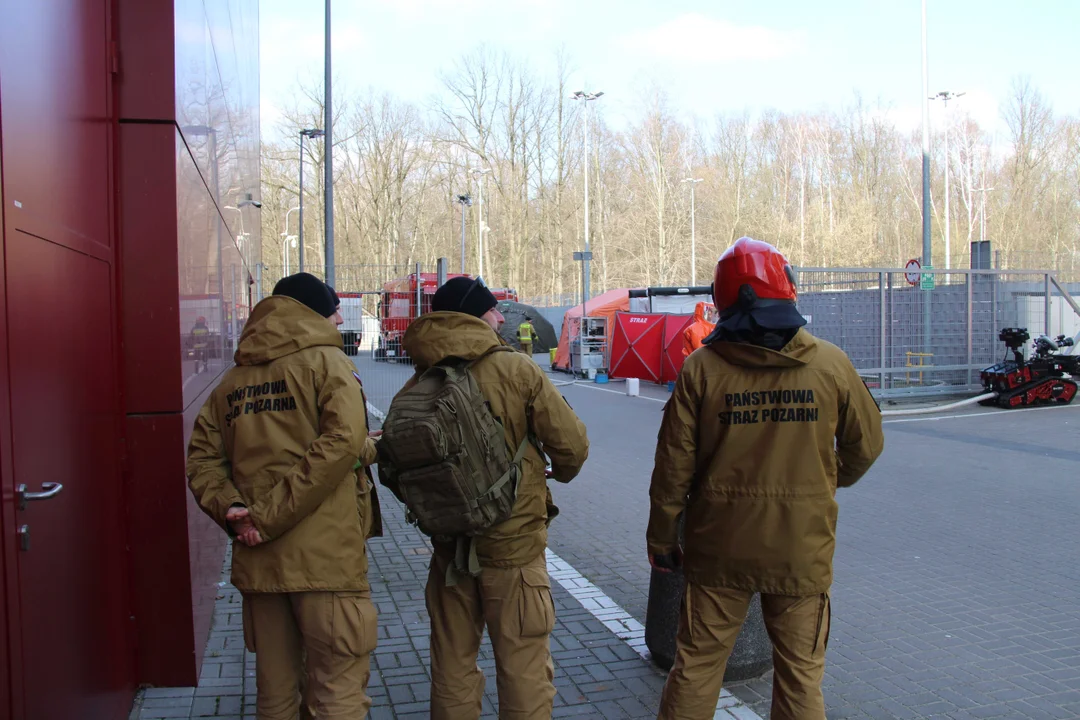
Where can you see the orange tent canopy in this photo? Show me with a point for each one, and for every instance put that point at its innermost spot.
(605, 305)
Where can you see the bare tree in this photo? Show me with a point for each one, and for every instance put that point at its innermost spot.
(829, 188)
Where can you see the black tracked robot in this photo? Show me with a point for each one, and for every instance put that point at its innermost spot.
(1040, 380)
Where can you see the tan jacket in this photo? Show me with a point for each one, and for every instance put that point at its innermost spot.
(522, 397)
(753, 446)
(281, 435)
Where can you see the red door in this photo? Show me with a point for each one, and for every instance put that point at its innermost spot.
(68, 627)
(76, 661)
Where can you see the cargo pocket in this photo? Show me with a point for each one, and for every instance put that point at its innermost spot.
(821, 638)
(355, 626)
(537, 609)
(249, 626)
(686, 611)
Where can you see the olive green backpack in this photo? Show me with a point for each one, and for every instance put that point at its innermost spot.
(445, 454)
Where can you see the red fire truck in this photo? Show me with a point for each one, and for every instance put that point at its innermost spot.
(398, 308)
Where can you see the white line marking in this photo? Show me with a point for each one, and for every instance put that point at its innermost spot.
(617, 620)
(376, 412)
(991, 413)
(643, 397)
(626, 628)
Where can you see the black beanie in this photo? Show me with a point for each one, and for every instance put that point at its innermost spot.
(334, 295)
(463, 295)
(309, 290)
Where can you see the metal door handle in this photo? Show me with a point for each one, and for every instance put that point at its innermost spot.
(49, 490)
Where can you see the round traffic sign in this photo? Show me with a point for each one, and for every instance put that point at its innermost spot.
(911, 272)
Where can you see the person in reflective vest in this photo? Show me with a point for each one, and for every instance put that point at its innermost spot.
(526, 335)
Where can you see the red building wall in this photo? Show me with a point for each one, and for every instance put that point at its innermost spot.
(189, 147)
(65, 602)
(127, 129)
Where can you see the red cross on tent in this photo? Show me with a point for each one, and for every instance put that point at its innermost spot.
(636, 346)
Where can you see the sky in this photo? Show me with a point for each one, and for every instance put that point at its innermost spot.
(711, 56)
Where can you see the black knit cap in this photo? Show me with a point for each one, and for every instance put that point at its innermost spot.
(464, 295)
(310, 290)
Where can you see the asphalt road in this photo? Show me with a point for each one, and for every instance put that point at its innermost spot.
(957, 573)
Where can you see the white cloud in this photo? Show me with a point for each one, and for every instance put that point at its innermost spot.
(696, 38)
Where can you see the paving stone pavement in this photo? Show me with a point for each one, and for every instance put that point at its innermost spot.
(956, 595)
(597, 673)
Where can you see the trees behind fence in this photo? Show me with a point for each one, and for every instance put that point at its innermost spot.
(836, 187)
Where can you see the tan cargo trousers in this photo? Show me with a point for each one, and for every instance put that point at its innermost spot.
(311, 653)
(516, 606)
(709, 623)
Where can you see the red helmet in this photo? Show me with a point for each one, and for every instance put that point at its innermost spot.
(754, 275)
(200, 319)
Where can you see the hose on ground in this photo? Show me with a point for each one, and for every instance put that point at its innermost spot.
(940, 408)
(886, 413)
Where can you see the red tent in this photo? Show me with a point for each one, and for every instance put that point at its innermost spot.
(637, 346)
(673, 357)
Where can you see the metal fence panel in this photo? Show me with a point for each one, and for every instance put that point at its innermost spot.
(906, 338)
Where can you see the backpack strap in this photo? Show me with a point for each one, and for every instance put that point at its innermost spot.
(512, 471)
(492, 351)
(465, 562)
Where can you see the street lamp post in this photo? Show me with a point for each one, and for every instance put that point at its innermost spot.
(586, 97)
(328, 168)
(481, 227)
(240, 244)
(285, 239)
(946, 96)
(306, 133)
(693, 233)
(927, 246)
(927, 253)
(982, 211)
(241, 239)
(466, 201)
(211, 134)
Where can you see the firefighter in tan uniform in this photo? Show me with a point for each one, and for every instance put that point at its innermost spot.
(765, 423)
(276, 458)
(512, 594)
